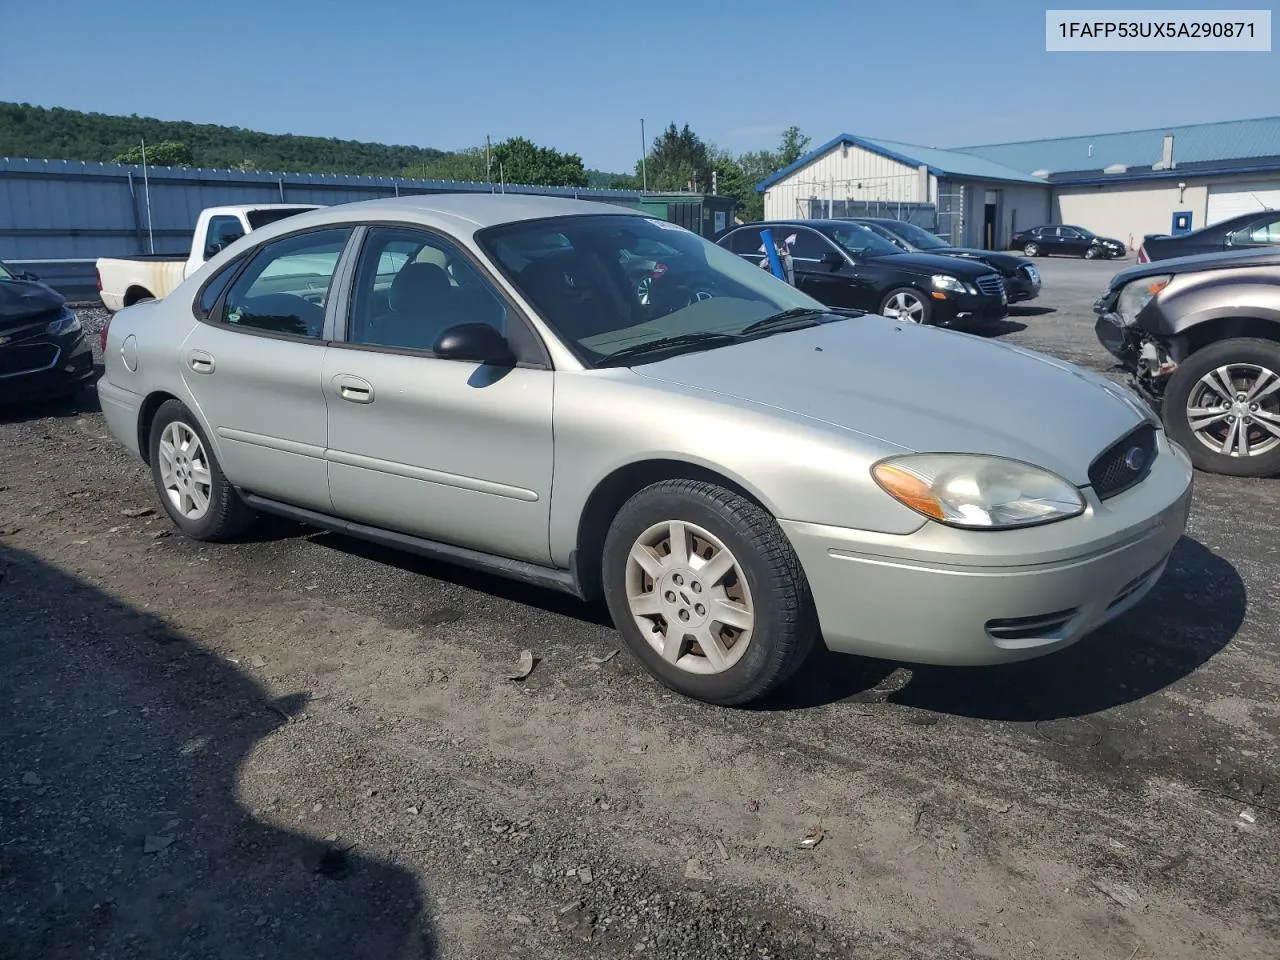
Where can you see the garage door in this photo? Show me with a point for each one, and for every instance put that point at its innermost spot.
(1231, 200)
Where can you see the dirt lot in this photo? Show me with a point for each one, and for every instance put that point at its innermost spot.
(302, 746)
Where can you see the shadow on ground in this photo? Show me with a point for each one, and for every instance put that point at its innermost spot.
(1193, 612)
(120, 743)
(82, 401)
(1018, 310)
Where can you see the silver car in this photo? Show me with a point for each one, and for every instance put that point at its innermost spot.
(581, 396)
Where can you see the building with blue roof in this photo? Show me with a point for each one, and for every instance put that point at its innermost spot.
(1124, 185)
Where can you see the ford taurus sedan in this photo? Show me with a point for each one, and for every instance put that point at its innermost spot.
(737, 471)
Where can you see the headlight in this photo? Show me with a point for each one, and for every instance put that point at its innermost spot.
(976, 491)
(1138, 293)
(67, 323)
(943, 282)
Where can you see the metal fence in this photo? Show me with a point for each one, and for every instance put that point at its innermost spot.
(921, 214)
(57, 217)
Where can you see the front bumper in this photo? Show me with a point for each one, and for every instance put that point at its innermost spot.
(40, 367)
(1021, 289)
(947, 596)
(961, 308)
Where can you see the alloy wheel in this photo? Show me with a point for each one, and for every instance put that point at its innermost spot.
(1234, 410)
(184, 471)
(905, 306)
(688, 594)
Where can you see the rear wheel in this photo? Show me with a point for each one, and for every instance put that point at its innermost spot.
(189, 481)
(1223, 404)
(707, 592)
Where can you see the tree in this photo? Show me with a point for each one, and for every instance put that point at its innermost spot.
(166, 153)
(465, 164)
(794, 146)
(678, 158)
(518, 160)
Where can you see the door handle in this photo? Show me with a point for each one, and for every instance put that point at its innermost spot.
(353, 389)
(200, 362)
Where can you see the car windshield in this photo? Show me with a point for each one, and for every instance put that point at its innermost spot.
(861, 241)
(609, 282)
(918, 237)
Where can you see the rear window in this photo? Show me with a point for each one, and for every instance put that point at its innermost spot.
(260, 218)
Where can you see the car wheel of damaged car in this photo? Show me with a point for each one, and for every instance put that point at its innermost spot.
(907, 304)
(189, 480)
(1032, 249)
(1093, 252)
(1223, 404)
(706, 591)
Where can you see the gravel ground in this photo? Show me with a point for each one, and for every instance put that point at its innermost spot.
(303, 746)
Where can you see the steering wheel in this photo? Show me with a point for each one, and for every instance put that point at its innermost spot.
(667, 294)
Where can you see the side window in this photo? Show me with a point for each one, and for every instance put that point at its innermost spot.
(410, 286)
(745, 242)
(808, 245)
(223, 231)
(1258, 233)
(286, 285)
(213, 289)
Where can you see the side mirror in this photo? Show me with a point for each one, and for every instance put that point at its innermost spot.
(833, 260)
(28, 275)
(212, 250)
(476, 342)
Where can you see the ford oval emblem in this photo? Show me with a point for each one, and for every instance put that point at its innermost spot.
(1135, 459)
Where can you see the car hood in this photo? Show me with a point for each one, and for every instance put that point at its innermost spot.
(1004, 262)
(24, 300)
(1196, 262)
(920, 389)
(928, 264)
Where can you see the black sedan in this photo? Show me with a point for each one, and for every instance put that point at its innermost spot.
(43, 350)
(1021, 278)
(845, 264)
(1247, 231)
(1066, 240)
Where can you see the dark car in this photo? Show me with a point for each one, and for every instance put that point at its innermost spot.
(1248, 231)
(844, 264)
(43, 351)
(1201, 337)
(1067, 241)
(1021, 278)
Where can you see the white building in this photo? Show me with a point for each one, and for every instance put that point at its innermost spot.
(1122, 185)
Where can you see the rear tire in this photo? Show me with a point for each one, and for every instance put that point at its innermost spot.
(1204, 394)
(683, 554)
(189, 481)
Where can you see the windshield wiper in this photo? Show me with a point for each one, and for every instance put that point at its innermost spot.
(702, 338)
(784, 320)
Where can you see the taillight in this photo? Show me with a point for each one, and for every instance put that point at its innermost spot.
(98, 273)
(103, 338)
(1142, 255)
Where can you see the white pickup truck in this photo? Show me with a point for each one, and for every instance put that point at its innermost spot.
(124, 281)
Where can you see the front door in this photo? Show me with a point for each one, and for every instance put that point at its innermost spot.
(822, 271)
(443, 449)
(254, 367)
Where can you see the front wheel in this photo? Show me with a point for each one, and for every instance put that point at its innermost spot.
(1092, 253)
(1223, 404)
(907, 304)
(1032, 249)
(189, 480)
(707, 592)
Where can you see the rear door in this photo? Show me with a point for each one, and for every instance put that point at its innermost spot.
(253, 367)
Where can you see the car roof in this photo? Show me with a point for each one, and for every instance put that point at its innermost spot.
(457, 213)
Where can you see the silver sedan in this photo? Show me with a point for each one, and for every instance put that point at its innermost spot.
(587, 398)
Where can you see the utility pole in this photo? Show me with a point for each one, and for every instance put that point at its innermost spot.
(644, 152)
(488, 164)
(146, 186)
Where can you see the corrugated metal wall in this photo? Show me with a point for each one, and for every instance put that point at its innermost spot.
(57, 216)
(845, 172)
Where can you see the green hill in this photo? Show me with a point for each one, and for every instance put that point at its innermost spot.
(58, 134)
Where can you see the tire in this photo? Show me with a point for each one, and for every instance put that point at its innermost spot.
(225, 516)
(925, 313)
(1032, 249)
(1246, 362)
(1092, 253)
(765, 579)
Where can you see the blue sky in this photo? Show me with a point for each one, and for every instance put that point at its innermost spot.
(579, 76)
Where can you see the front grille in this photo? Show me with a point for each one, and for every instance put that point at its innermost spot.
(26, 359)
(1125, 463)
(992, 284)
